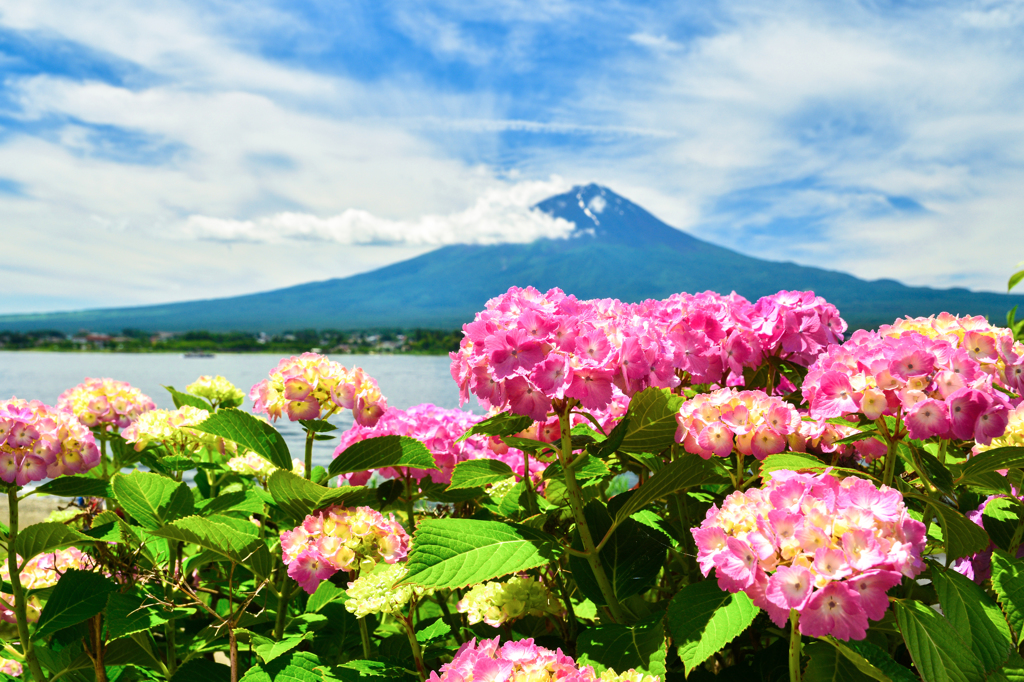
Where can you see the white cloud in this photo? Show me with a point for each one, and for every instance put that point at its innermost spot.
(501, 215)
(658, 43)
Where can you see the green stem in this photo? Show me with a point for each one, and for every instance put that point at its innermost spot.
(409, 506)
(738, 481)
(531, 502)
(417, 654)
(170, 629)
(309, 454)
(282, 604)
(20, 600)
(572, 624)
(794, 647)
(364, 634)
(576, 503)
(943, 444)
(442, 601)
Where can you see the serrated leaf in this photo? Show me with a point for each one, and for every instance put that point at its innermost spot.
(299, 497)
(76, 486)
(250, 432)
(862, 650)
(974, 616)
(239, 501)
(380, 452)
(217, 537)
(992, 460)
(613, 442)
(621, 647)
(299, 666)
(78, 595)
(791, 461)
(476, 473)
(938, 652)
(703, 619)
(152, 499)
(962, 537)
(461, 552)
(40, 538)
(129, 613)
(1014, 280)
(436, 630)
(271, 650)
(685, 472)
(652, 421)
(326, 592)
(180, 399)
(502, 424)
(587, 466)
(1008, 584)
(828, 664)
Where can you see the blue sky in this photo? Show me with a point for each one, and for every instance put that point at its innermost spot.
(154, 152)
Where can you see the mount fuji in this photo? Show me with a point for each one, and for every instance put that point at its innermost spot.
(616, 250)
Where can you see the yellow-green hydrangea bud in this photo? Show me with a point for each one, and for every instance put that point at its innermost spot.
(218, 390)
(172, 428)
(376, 591)
(630, 675)
(498, 490)
(497, 602)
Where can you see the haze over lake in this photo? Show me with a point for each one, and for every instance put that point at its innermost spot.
(405, 380)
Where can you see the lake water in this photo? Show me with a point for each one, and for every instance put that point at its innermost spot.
(405, 380)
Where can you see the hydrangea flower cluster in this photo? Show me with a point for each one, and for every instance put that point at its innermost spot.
(38, 441)
(939, 389)
(172, 428)
(527, 349)
(993, 347)
(523, 661)
(38, 573)
(216, 389)
(10, 667)
(251, 464)
(1013, 436)
(828, 549)
(751, 422)
(376, 592)
(311, 386)
(106, 402)
(497, 602)
(820, 436)
(341, 539)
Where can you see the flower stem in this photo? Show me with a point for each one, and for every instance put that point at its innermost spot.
(531, 502)
(20, 603)
(309, 454)
(364, 633)
(794, 646)
(409, 506)
(282, 604)
(417, 654)
(576, 503)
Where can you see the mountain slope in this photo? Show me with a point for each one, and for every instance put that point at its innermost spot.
(616, 250)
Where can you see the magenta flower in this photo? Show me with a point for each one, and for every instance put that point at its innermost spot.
(112, 404)
(38, 441)
(751, 422)
(834, 610)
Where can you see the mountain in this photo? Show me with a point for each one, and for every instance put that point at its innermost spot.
(616, 250)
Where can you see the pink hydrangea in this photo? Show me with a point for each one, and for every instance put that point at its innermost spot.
(819, 436)
(521, 661)
(829, 549)
(750, 422)
(311, 386)
(106, 402)
(526, 349)
(978, 567)
(42, 571)
(38, 441)
(939, 389)
(341, 539)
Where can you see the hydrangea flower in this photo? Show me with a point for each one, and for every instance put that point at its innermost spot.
(172, 428)
(105, 402)
(10, 667)
(376, 592)
(439, 430)
(341, 539)
(216, 389)
(828, 549)
(751, 422)
(311, 386)
(497, 602)
(523, 661)
(251, 464)
(819, 436)
(938, 388)
(42, 571)
(526, 349)
(1013, 436)
(38, 441)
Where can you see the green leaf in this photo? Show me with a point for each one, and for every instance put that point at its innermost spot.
(436, 630)
(828, 664)
(130, 613)
(685, 472)
(935, 647)
(383, 451)
(502, 424)
(613, 442)
(476, 473)
(250, 432)
(40, 538)
(461, 552)
(271, 650)
(587, 466)
(223, 539)
(632, 557)
(703, 619)
(652, 421)
(863, 650)
(791, 461)
(974, 616)
(239, 501)
(151, 499)
(1015, 279)
(76, 486)
(962, 537)
(621, 647)
(299, 497)
(299, 666)
(180, 399)
(992, 460)
(78, 595)
(1008, 584)
(326, 592)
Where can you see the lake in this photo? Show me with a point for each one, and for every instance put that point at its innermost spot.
(405, 380)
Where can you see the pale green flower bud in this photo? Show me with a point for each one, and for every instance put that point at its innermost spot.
(376, 592)
(497, 602)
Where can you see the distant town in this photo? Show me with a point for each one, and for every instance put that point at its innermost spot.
(417, 341)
